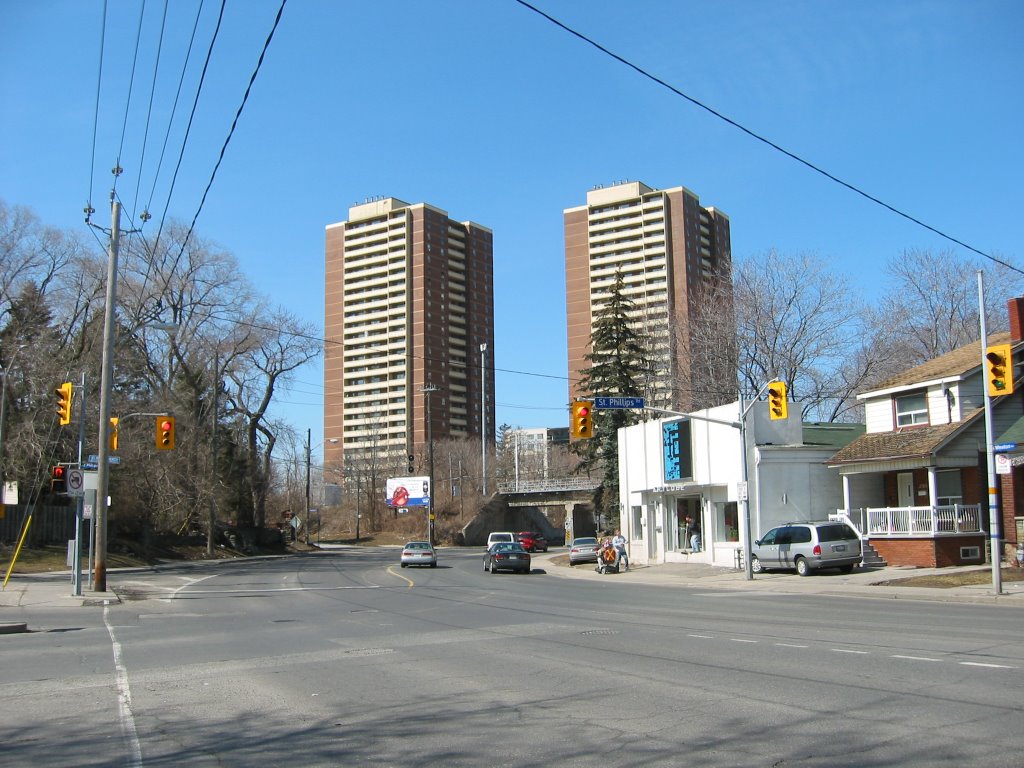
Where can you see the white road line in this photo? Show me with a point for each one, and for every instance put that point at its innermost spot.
(847, 650)
(124, 698)
(913, 658)
(703, 637)
(791, 645)
(987, 666)
(743, 640)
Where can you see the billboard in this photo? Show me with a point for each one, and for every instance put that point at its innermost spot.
(405, 492)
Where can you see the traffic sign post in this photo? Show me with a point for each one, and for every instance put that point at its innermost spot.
(75, 482)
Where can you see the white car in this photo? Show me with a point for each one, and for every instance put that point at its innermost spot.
(501, 537)
(419, 553)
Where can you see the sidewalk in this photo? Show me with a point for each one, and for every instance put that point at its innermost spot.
(859, 583)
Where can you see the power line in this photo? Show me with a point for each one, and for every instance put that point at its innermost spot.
(792, 155)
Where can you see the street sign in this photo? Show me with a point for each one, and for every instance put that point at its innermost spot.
(618, 402)
(75, 482)
(93, 460)
(1004, 447)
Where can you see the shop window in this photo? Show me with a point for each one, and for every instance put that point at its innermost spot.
(727, 521)
(637, 527)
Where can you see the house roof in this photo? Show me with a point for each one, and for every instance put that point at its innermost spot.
(956, 363)
(907, 443)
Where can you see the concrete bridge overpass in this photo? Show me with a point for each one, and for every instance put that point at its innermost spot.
(566, 503)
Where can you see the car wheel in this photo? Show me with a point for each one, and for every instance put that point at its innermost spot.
(433, 565)
(493, 570)
(755, 565)
(486, 568)
(802, 568)
(404, 564)
(846, 569)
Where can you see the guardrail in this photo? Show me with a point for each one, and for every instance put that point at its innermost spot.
(550, 486)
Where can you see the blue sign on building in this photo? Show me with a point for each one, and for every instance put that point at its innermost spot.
(678, 453)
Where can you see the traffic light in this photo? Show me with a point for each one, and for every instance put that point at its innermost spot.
(112, 433)
(581, 423)
(58, 479)
(778, 408)
(999, 369)
(412, 463)
(64, 402)
(165, 433)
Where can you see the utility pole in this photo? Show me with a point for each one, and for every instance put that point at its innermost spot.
(213, 459)
(483, 419)
(106, 383)
(427, 391)
(309, 438)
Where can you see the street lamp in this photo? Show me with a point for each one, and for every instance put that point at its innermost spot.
(309, 450)
(3, 413)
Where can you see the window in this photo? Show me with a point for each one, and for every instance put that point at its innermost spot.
(948, 487)
(911, 410)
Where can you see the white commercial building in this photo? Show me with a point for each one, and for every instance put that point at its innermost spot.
(676, 468)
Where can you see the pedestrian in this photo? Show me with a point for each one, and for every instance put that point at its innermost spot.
(687, 531)
(619, 542)
(695, 538)
(1020, 555)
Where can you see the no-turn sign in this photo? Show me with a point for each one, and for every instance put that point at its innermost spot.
(76, 482)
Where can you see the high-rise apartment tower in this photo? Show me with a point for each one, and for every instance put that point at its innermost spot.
(409, 303)
(673, 255)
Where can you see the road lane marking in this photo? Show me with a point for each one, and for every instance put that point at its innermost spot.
(791, 645)
(743, 640)
(703, 637)
(987, 666)
(124, 697)
(404, 578)
(847, 650)
(914, 658)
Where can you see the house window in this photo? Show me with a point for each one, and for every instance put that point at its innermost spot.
(911, 410)
(948, 488)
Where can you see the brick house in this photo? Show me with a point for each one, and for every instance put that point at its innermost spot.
(916, 483)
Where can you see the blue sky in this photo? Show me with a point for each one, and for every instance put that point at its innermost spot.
(489, 111)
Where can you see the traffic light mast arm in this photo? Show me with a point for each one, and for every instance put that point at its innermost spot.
(734, 424)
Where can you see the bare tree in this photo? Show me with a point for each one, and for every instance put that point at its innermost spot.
(801, 322)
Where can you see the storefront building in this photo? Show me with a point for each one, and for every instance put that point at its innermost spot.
(683, 476)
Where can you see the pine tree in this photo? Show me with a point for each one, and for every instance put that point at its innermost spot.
(619, 366)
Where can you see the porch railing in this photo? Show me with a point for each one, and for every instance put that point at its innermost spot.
(923, 521)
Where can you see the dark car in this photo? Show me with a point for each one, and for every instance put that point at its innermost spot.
(505, 556)
(532, 541)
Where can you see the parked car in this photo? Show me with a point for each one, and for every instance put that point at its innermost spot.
(507, 556)
(583, 550)
(532, 541)
(807, 547)
(419, 553)
(503, 536)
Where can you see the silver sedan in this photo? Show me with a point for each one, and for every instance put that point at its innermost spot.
(419, 553)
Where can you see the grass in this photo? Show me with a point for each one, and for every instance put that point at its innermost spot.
(960, 579)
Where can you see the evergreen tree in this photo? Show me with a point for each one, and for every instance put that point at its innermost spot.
(619, 365)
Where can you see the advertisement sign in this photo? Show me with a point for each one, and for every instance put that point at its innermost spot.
(678, 453)
(405, 492)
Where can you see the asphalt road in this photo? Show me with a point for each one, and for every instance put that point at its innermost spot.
(343, 658)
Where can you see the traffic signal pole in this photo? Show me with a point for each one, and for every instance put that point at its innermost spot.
(106, 380)
(990, 459)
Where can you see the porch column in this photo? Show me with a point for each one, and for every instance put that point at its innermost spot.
(846, 494)
(933, 488)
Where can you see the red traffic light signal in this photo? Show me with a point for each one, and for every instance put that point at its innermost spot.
(581, 422)
(58, 479)
(165, 433)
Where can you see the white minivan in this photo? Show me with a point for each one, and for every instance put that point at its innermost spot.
(500, 536)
